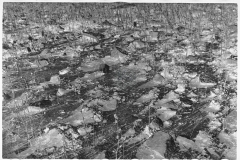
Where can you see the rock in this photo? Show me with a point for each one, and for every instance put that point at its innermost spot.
(191, 94)
(157, 80)
(107, 105)
(214, 155)
(97, 118)
(203, 140)
(153, 36)
(166, 74)
(129, 39)
(100, 155)
(153, 148)
(214, 124)
(117, 54)
(98, 46)
(136, 34)
(229, 140)
(231, 153)
(167, 124)
(154, 126)
(91, 66)
(45, 52)
(84, 130)
(64, 71)
(55, 80)
(92, 76)
(85, 116)
(138, 44)
(206, 32)
(181, 88)
(213, 107)
(166, 114)
(30, 110)
(51, 139)
(5, 56)
(207, 38)
(89, 37)
(196, 83)
(230, 122)
(230, 76)
(62, 92)
(140, 78)
(71, 132)
(130, 132)
(185, 144)
(39, 63)
(146, 98)
(131, 47)
(167, 98)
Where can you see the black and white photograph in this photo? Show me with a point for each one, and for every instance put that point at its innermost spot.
(119, 80)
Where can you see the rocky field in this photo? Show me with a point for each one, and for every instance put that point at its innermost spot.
(119, 80)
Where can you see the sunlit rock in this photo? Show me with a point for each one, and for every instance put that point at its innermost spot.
(167, 98)
(229, 139)
(62, 92)
(196, 83)
(165, 115)
(153, 36)
(146, 97)
(65, 71)
(230, 122)
(214, 107)
(55, 79)
(153, 148)
(107, 105)
(185, 144)
(203, 140)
